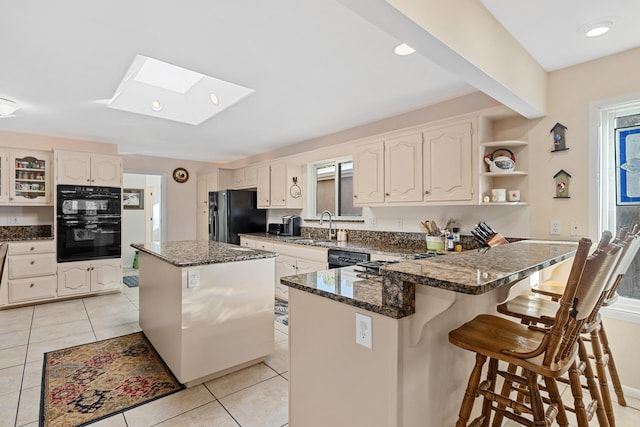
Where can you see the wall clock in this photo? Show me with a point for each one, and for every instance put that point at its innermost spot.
(180, 175)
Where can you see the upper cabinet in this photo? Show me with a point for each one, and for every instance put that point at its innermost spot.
(448, 163)
(245, 177)
(80, 168)
(29, 177)
(433, 164)
(274, 184)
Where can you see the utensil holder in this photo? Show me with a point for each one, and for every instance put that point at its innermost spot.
(435, 243)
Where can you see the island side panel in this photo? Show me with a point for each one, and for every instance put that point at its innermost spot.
(227, 320)
(333, 381)
(161, 308)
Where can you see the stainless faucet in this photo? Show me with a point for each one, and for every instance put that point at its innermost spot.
(332, 233)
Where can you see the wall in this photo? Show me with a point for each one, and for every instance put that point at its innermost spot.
(133, 220)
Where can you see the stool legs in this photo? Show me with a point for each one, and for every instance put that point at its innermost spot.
(470, 392)
(603, 419)
(611, 365)
(602, 375)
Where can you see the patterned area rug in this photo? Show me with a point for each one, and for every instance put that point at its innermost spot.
(130, 281)
(282, 312)
(89, 382)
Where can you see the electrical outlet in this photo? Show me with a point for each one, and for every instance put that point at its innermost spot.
(372, 222)
(12, 220)
(193, 278)
(554, 227)
(399, 224)
(364, 335)
(576, 228)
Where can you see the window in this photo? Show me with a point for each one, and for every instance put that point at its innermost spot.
(332, 182)
(614, 212)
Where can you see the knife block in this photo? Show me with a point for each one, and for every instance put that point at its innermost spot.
(497, 240)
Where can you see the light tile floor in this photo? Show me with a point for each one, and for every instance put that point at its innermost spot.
(255, 396)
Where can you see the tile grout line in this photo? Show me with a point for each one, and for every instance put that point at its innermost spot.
(24, 366)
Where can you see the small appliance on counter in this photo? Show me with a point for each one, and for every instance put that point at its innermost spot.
(275, 228)
(291, 225)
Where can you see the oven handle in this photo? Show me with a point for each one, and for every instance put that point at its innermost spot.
(69, 224)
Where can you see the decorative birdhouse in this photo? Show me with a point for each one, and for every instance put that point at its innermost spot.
(559, 142)
(562, 184)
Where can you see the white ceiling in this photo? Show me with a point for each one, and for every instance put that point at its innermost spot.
(316, 66)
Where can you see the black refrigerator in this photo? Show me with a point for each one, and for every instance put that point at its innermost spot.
(232, 212)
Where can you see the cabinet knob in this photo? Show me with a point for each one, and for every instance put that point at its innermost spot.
(32, 248)
(32, 285)
(88, 268)
(387, 194)
(355, 196)
(88, 180)
(32, 262)
(426, 192)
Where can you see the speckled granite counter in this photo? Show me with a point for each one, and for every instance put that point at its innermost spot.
(26, 232)
(472, 272)
(189, 253)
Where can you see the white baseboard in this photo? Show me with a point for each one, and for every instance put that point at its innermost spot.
(626, 309)
(629, 392)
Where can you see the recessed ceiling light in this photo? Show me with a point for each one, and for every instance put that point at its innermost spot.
(214, 98)
(597, 28)
(156, 105)
(403, 49)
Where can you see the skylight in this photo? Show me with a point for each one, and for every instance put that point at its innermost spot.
(159, 89)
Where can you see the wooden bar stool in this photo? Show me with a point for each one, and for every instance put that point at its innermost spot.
(549, 352)
(535, 310)
(554, 287)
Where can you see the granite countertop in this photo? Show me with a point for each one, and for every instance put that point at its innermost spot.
(471, 272)
(19, 233)
(190, 253)
(362, 247)
(348, 286)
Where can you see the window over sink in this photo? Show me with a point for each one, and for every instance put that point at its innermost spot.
(332, 188)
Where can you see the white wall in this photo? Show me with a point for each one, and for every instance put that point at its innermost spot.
(133, 220)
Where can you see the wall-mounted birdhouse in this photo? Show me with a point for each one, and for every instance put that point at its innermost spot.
(563, 179)
(559, 142)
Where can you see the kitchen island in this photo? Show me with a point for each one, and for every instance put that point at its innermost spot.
(411, 375)
(207, 307)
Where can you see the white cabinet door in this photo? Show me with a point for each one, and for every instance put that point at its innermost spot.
(368, 173)
(403, 168)
(285, 266)
(304, 266)
(74, 278)
(29, 177)
(106, 171)
(106, 275)
(4, 176)
(448, 163)
(278, 184)
(73, 168)
(264, 186)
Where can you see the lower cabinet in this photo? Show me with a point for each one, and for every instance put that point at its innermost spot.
(296, 259)
(31, 272)
(89, 276)
(292, 259)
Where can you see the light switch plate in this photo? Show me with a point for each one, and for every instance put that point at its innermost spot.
(364, 334)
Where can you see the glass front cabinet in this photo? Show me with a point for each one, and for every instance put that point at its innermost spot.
(30, 177)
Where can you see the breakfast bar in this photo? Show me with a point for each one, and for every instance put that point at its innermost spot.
(411, 376)
(207, 307)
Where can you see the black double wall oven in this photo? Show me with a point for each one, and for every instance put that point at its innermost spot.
(89, 222)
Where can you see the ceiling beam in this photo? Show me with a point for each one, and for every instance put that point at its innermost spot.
(465, 39)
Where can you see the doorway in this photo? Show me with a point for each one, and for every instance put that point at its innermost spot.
(142, 213)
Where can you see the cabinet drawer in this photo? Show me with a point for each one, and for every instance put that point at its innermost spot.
(31, 265)
(33, 247)
(301, 251)
(32, 289)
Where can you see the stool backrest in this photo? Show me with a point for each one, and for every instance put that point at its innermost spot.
(588, 292)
